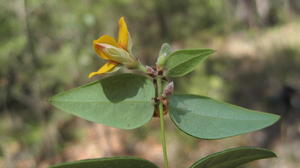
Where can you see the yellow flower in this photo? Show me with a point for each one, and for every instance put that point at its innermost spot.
(116, 53)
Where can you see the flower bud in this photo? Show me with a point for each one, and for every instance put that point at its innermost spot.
(119, 55)
(164, 54)
(151, 71)
(168, 89)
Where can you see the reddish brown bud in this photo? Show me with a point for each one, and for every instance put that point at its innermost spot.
(168, 89)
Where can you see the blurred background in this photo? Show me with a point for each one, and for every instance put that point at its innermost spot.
(46, 48)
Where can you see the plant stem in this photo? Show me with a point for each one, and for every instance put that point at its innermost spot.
(162, 124)
(141, 67)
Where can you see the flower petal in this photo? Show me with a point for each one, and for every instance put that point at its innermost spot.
(107, 40)
(124, 38)
(107, 67)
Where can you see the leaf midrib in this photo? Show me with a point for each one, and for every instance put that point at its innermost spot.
(187, 60)
(208, 116)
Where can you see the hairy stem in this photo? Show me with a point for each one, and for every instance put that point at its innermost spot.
(162, 124)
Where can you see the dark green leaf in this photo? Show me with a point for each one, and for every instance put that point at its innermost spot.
(182, 62)
(113, 162)
(121, 101)
(232, 158)
(203, 117)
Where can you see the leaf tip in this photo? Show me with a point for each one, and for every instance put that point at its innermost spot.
(210, 51)
(275, 118)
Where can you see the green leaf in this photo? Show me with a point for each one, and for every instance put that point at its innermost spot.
(182, 62)
(232, 158)
(205, 118)
(121, 101)
(113, 162)
(164, 53)
(165, 50)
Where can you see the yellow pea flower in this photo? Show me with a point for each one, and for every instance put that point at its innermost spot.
(115, 52)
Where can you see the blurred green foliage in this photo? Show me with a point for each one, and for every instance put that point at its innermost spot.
(46, 47)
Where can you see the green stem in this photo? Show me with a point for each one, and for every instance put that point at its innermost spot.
(162, 124)
(141, 67)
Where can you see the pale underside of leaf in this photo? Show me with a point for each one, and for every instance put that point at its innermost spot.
(121, 101)
(205, 118)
